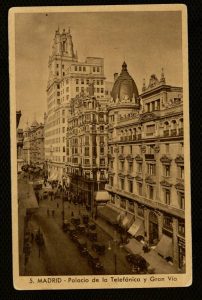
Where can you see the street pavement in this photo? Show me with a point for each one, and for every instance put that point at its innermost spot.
(59, 255)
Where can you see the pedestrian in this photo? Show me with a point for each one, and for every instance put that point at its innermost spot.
(72, 214)
(32, 236)
(57, 205)
(48, 212)
(53, 212)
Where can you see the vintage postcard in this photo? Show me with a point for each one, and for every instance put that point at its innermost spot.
(100, 147)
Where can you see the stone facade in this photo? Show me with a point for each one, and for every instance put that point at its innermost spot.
(146, 161)
(68, 78)
(87, 146)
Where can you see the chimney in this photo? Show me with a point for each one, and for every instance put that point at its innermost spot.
(115, 76)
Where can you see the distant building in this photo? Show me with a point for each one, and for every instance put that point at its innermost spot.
(68, 78)
(19, 137)
(33, 145)
(146, 163)
(87, 146)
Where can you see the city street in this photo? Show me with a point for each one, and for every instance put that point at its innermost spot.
(59, 255)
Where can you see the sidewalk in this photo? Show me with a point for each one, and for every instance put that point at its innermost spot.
(156, 262)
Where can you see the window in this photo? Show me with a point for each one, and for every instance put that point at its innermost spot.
(122, 149)
(77, 89)
(63, 158)
(112, 181)
(63, 148)
(75, 68)
(102, 139)
(63, 120)
(130, 185)
(98, 69)
(181, 200)
(87, 81)
(86, 140)
(131, 149)
(57, 65)
(98, 90)
(151, 169)
(57, 73)
(84, 69)
(111, 164)
(93, 69)
(122, 183)
(130, 167)
(102, 150)
(167, 148)
(58, 86)
(181, 172)
(63, 112)
(79, 68)
(150, 129)
(151, 192)
(67, 89)
(98, 82)
(63, 73)
(111, 149)
(82, 81)
(181, 227)
(63, 66)
(139, 187)
(167, 222)
(102, 90)
(101, 82)
(86, 151)
(167, 196)
(58, 93)
(139, 167)
(140, 211)
(102, 162)
(122, 165)
(63, 129)
(167, 170)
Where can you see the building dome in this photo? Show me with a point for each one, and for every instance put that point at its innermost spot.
(124, 87)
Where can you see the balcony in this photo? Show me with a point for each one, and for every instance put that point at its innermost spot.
(166, 133)
(181, 131)
(173, 132)
(149, 157)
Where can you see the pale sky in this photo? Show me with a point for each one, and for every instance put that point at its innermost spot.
(147, 41)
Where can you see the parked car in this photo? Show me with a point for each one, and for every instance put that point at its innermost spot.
(45, 195)
(85, 219)
(66, 225)
(82, 246)
(91, 226)
(92, 235)
(94, 262)
(99, 248)
(138, 262)
(81, 228)
(75, 221)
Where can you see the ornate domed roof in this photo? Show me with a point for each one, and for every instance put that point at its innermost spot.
(124, 87)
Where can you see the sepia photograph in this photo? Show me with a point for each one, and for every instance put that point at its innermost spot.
(100, 147)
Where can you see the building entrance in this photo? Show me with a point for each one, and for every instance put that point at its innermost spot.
(153, 229)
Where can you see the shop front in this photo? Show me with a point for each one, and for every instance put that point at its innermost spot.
(181, 253)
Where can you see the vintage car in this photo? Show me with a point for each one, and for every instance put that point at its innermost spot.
(82, 246)
(94, 262)
(98, 248)
(85, 218)
(66, 225)
(138, 262)
(81, 228)
(92, 235)
(91, 226)
(45, 195)
(75, 221)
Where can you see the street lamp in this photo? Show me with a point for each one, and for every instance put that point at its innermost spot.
(114, 250)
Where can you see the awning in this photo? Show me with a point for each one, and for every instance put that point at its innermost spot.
(164, 247)
(137, 228)
(133, 246)
(127, 220)
(108, 214)
(101, 196)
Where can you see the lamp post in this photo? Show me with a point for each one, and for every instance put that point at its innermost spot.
(114, 250)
